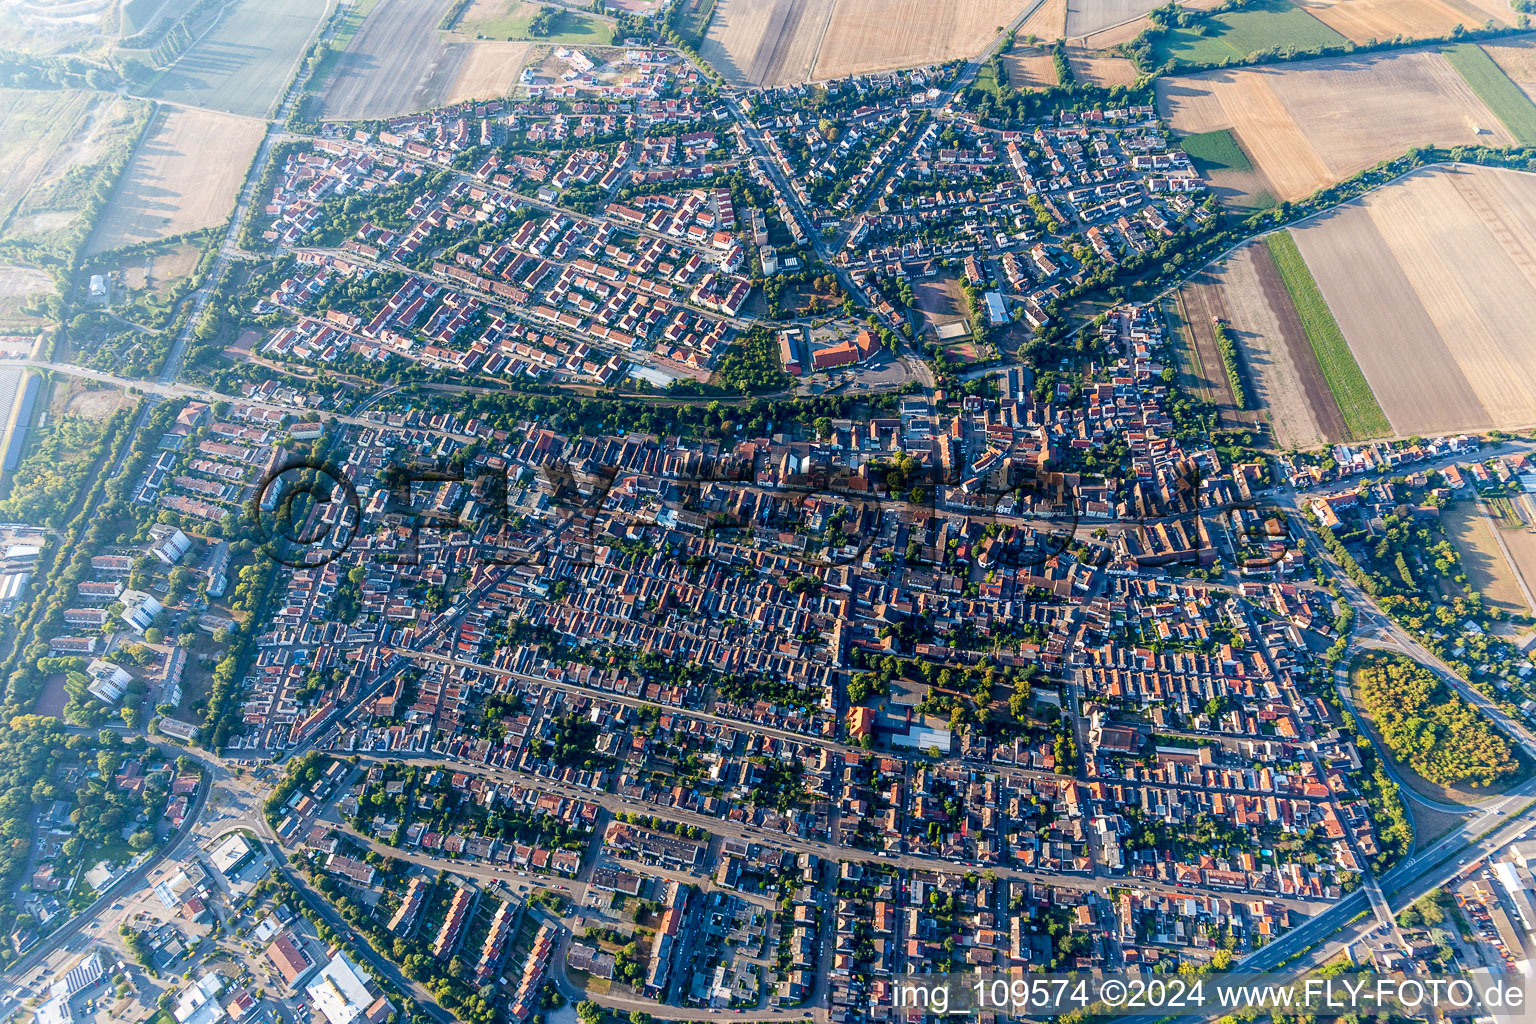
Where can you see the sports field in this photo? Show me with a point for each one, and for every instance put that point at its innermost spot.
(244, 63)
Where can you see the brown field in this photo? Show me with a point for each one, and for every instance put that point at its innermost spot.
(775, 42)
(873, 35)
(1096, 70)
(489, 70)
(1286, 380)
(398, 63)
(1432, 281)
(1048, 21)
(184, 176)
(1200, 301)
(1521, 545)
(1488, 570)
(766, 42)
(1290, 122)
(1030, 67)
(1123, 32)
(1363, 20)
(1517, 59)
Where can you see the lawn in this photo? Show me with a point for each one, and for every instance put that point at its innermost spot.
(1508, 103)
(1362, 413)
(1217, 150)
(1273, 25)
(565, 26)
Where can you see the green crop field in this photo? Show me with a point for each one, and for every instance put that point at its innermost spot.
(1274, 24)
(1508, 103)
(1362, 413)
(242, 65)
(1217, 150)
(566, 26)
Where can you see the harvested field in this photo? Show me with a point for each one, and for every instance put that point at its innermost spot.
(1289, 121)
(1364, 20)
(873, 35)
(1104, 39)
(395, 64)
(1030, 67)
(1362, 413)
(1105, 71)
(488, 70)
(1287, 381)
(1048, 21)
(244, 63)
(1512, 106)
(1488, 570)
(1200, 303)
(766, 42)
(776, 42)
(1516, 58)
(1520, 544)
(1432, 281)
(1085, 17)
(184, 176)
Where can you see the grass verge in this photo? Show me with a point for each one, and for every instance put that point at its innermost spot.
(1362, 413)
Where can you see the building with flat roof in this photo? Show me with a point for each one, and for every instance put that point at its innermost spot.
(343, 994)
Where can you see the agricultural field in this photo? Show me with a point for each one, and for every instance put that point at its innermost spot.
(513, 19)
(1364, 20)
(1094, 69)
(1236, 35)
(244, 63)
(1431, 281)
(487, 70)
(1512, 106)
(1047, 22)
(1363, 416)
(184, 176)
(1472, 534)
(1085, 17)
(395, 64)
(765, 42)
(873, 35)
(1285, 376)
(1290, 124)
(1516, 57)
(783, 41)
(33, 125)
(1029, 67)
(1219, 158)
